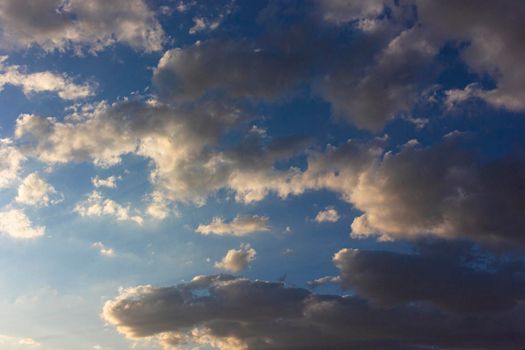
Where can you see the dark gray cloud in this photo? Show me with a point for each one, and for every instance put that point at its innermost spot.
(235, 313)
(450, 277)
(371, 62)
(367, 76)
(493, 32)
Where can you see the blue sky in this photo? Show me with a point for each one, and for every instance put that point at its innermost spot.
(245, 175)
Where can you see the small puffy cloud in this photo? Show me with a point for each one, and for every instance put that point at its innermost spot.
(79, 25)
(327, 215)
(35, 191)
(235, 313)
(239, 226)
(237, 260)
(102, 249)
(15, 224)
(96, 205)
(17, 343)
(11, 160)
(110, 181)
(42, 82)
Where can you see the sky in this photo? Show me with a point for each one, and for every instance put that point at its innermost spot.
(249, 175)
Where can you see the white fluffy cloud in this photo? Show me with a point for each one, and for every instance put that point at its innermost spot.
(11, 160)
(96, 205)
(237, 260)
(42, 82)
(239, 226)
(79, 24)
(35, 191)
(327, 215)
(15, 224)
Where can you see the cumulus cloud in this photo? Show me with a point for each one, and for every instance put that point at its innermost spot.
(15, 224)
(96, 205)
(103, 250)
(11, 160)
(441, 190)
(450, 278)
(79, 25)
(491, 31)
(328, 215)
(159, 206)
(175, 139)
(239, 226)
(110, 181)
(235, 313)
(35, 191)
(377, 75)
(237, 260)
(374, 77)
(45, 81)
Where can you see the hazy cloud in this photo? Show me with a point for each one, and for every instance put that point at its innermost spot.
(239, 226)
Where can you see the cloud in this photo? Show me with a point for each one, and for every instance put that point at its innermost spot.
(387, 67)
(96, 205)
(103, 250)
(110, 181)
(15, 224)
(344, 11)
(239, 226)
(15, 343)
(173, 138)
(442, 190)
(374, 77)
(445, 276)
(235, 313)
(237, 260)
(491, 31)
(44, 81)
(11, 160)
(35, 191)
(79, 25)
(238, 69)
(328, 215)
(159, 206)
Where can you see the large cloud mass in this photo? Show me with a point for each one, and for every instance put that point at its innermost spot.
(235, 313)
